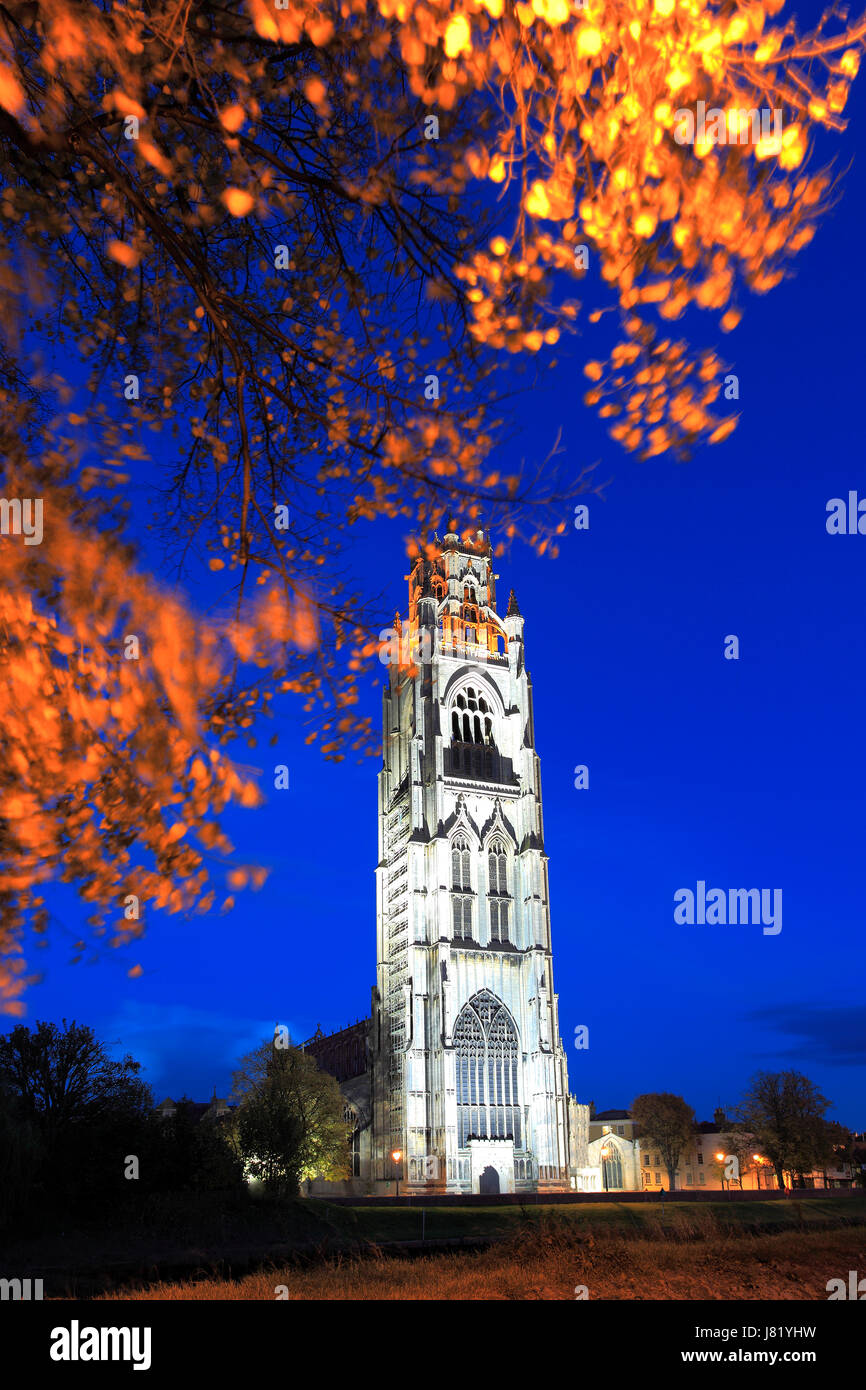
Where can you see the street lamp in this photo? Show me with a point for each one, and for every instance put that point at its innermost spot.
(396, 1155)
(720, 1158)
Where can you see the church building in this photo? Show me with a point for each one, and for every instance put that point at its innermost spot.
(466, 1074)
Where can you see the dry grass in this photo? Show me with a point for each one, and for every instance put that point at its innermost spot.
(692, 1259)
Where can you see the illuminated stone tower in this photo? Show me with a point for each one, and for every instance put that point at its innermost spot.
(469, 1073)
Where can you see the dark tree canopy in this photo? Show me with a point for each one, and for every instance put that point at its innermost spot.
(785, 1112)
(668, 1122)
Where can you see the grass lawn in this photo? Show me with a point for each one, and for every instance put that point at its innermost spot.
(552, 1258)
(166, 1241)
(404, 1223)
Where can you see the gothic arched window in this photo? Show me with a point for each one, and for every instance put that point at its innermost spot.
(497, 889)
(487, 1048)
(472, 742)
(461, 888)
(611, 1167)
(460, 864)
(497, 868)
(353, 1126)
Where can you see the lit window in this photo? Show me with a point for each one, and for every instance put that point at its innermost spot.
(611, 1168)
(498, 920)
(460, 864)
(461, 888)
(462, 918)
(497, 869)
(497, 887)
(486, 1044)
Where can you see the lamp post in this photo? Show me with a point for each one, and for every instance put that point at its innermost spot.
(720, 1158)
(396, 1155)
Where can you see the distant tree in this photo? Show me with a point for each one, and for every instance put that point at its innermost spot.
(668, 1121)
(88, 1110)
(785, 1112)
(290, 1124)
(197, 1153)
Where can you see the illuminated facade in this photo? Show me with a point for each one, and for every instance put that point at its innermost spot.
(469, 1078)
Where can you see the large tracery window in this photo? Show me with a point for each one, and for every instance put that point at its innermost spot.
(486, 1043)
(461, 888)
(497, 889)
(472, 745)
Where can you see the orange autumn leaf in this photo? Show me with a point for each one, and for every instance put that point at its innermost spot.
(232, 118)
(238, 201)
(122, 253)
(12, 96)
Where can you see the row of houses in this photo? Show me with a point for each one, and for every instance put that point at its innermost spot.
(713, 1160)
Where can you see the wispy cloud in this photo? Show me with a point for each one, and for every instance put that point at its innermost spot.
(183, 1049)
(829, 1033)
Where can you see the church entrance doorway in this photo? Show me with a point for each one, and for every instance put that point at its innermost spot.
(489, 1181)
(491, 1165)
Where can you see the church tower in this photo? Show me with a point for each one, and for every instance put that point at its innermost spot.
(469, 1073)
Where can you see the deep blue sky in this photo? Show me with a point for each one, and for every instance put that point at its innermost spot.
(744, 774)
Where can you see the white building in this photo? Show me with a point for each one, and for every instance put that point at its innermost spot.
(469, 1078)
